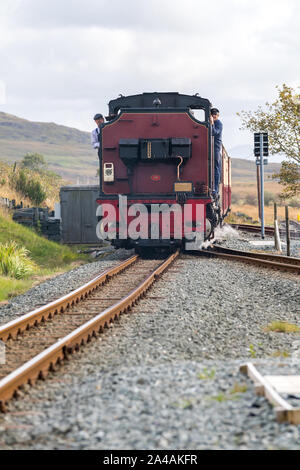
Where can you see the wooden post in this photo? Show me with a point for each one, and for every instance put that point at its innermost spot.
(275, 211)
(287, 231)
(277, 241)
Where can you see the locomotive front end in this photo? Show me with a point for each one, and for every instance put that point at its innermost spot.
(156, 173)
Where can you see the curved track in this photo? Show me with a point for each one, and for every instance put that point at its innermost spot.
(282, 263)
(294, 232)
(253, 228)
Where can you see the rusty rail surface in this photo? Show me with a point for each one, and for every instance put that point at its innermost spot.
(282, 263)
(265, 256)
(253, 228)
(15, 327)
(268, 230)
(39, 366)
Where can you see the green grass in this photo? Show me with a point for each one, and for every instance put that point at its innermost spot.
(221, 397)
(10, 287)
(281, 353)
(14, 261)
(44, 253)
(206, 374)
(252, 351)
(282, 327)
(49, 257)
(238, 388)
(234, 393)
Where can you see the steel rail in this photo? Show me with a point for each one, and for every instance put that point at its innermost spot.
(251, 260)
(39, 366)
(265, 256)
(268, 230)
(15, 327)
(253, 228)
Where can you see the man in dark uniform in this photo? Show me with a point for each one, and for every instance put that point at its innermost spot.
(95, 140)
(217, 128)
(99, 120)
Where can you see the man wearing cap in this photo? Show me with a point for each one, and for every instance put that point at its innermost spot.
(99, 120)
(217, 128)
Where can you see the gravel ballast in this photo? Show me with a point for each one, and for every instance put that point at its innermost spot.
(167, 375)
(238, 240)
(58, 286)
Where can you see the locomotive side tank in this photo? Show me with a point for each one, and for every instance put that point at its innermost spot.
(153, 150)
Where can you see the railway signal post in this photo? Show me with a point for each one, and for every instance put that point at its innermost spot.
(261, 150)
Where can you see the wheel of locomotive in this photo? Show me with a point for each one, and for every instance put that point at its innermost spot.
(155, 252)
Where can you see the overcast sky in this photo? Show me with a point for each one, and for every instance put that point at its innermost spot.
(63, 60)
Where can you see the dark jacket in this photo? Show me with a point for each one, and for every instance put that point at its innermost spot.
(217, 129)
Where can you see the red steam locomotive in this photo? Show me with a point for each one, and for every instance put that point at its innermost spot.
(156, 158)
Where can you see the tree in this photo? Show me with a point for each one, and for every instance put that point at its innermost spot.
(281, 121)
(289, 177)
(28, 187)
(34, 161)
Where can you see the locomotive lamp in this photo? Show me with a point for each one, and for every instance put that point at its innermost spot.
(108, 174)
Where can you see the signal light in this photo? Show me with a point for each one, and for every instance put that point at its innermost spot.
(265, 144)
(257, 144)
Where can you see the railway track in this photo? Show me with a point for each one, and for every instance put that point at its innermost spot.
(282, 263)
(253, 228)
(268, 230)
(39, 341)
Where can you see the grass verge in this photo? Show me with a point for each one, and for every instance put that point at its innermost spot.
(50, 258)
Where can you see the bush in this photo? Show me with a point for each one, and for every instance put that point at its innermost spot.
(14, 261)
(293, 202)
(28, 187)
(251, 199)
(34, 161)
(35, 192)
(235, 198)
(269, 197)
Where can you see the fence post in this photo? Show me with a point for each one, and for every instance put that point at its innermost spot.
(276, 230)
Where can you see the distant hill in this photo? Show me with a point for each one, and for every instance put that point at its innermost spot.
(245, 170)
(68, 151)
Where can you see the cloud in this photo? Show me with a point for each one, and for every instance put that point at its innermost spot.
(2, 93)
(63, 61)
(140, 15)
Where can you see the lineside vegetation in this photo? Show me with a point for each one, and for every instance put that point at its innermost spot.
(27, 258)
